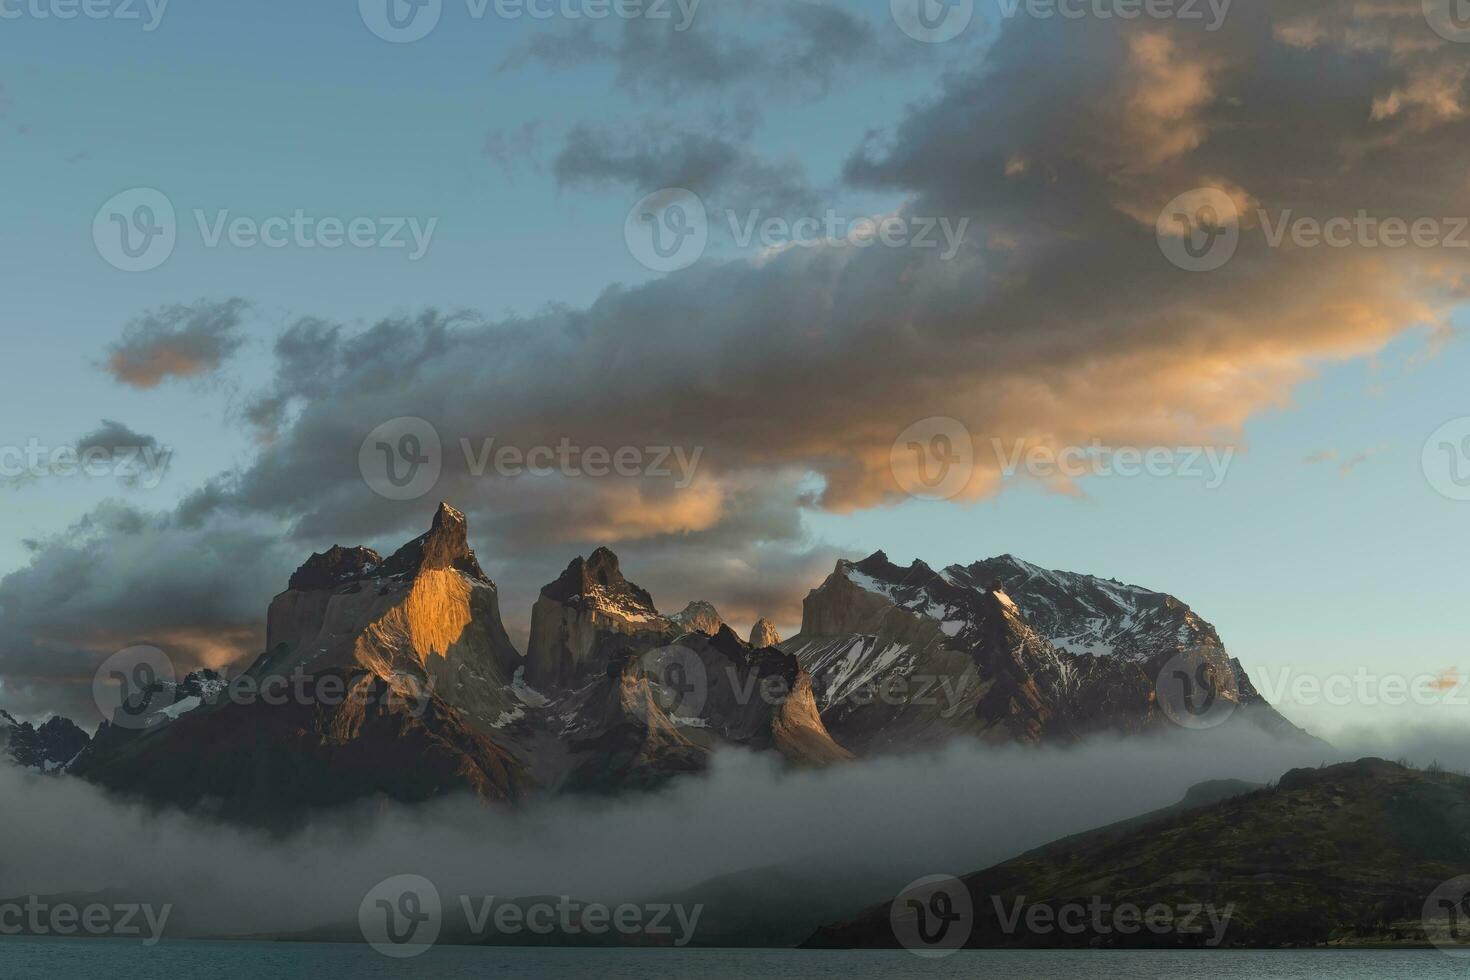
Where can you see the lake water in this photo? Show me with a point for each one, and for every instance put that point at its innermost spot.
(33, 959)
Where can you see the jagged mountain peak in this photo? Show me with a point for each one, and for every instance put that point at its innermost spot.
(335, 566)
(597, 581)
(764, 634)
(1087, 614)
(445, 545)
(700, 616)
(47, 747)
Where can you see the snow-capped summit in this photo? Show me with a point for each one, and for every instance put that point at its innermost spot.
(1085, 614)
(1043, 654)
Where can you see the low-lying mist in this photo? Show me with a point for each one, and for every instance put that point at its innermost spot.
(952, 812)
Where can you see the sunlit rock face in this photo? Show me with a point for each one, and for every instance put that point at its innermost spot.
(764, 634)
(588, 601)
(428, 612)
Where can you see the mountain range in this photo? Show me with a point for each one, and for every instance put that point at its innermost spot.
(404, 683)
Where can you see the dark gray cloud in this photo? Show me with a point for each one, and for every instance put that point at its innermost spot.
(769, 44)
(122, 575)
(180, 341)
(1059, 321)
(711, 164)
(136, 459)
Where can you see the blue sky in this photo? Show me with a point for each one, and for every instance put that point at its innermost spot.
(265, 108)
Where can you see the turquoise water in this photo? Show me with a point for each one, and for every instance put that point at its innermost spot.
(32, 959)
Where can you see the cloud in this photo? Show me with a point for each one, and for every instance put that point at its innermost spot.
(177, 342)
(764, 43)
(1349, 463)
(879, 823)
(654, 157)
(1058, 322)
(135, 458)
(121, 576)
(112, 450)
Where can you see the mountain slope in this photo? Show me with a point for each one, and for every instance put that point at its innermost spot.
(1347, 854)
